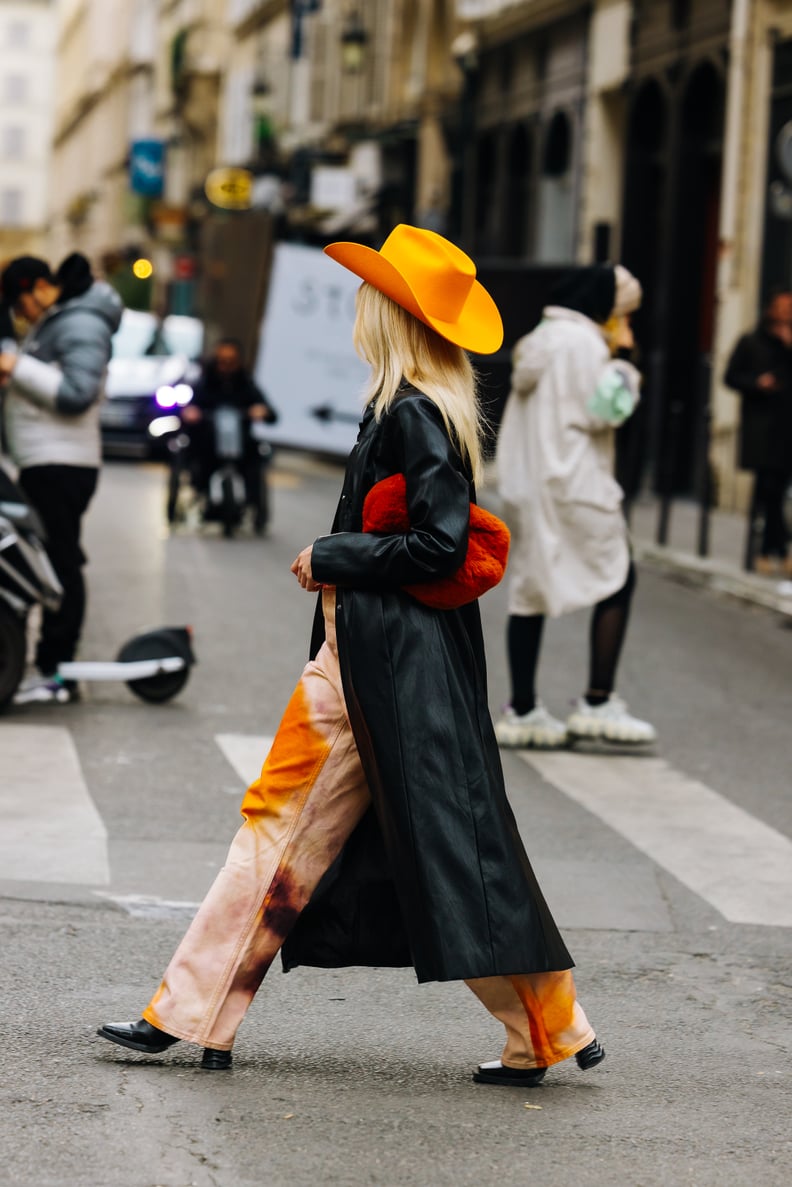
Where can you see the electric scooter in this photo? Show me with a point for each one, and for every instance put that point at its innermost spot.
(154, 665)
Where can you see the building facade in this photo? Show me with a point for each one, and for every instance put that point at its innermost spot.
(104, 85)
(27, 52)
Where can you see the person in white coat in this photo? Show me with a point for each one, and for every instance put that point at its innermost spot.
(555, 461)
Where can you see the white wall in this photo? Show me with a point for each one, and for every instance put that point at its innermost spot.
(27, 43)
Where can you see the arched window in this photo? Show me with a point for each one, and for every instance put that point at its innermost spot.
(557, 156)
(555, 238)
(517, 212)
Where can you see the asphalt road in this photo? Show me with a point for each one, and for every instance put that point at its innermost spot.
(671, 876)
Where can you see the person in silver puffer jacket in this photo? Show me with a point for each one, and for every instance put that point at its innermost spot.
(53, 385)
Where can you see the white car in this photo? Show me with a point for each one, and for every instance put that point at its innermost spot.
(150, 377)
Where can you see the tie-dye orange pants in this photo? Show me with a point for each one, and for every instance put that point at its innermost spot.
(309, 797)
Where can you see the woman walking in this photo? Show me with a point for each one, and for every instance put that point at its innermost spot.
(379, 832)
(570, 547)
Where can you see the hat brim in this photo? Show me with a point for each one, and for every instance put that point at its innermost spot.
(478, 328)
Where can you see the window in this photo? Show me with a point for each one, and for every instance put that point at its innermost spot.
(18, 35)
(13, 144)
(15, 88)
(558, 146)
(10, 208)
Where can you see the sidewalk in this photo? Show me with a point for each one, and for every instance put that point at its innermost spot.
(722, 570)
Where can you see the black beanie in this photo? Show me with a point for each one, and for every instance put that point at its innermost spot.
(74, 276)
(590, 290)
(20, 276)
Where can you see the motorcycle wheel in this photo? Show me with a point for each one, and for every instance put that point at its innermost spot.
(229, 511)
(153, 689)
(174, 485)
(262, 512)
(13, 647)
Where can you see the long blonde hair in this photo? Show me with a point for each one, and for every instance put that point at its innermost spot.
(398, 346)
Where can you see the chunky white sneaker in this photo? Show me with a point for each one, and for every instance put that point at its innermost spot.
(610, 721)
(537, 729)
(42, 690)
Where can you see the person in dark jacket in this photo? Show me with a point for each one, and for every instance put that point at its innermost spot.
(53, 386)
(225, 381)
(760, 369)
(379, 832)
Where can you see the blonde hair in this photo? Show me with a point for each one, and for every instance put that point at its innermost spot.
(398, 346)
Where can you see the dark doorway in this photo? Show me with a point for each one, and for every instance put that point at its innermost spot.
(670, 241)
(644, 204)
(486, 188)
(690, 315)
(777, 262)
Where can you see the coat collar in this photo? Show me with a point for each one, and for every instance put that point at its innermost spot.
(561, 313)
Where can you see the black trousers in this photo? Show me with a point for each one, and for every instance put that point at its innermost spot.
(61, 495)
(606, 637)
(771, 487)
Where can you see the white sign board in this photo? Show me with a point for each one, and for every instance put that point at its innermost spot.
(306, 362)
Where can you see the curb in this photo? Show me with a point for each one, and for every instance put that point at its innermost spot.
(709, 573)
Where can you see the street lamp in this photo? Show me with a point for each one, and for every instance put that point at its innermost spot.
(354, 39)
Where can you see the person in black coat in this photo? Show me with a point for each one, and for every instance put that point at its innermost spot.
(379, 832)
(225, 381)
(760, 369)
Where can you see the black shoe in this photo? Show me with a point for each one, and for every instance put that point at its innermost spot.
(512, 1077)
(138, 1036)
(215, 1061)
(590, 1056)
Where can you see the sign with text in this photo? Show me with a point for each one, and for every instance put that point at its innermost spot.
(306, 363)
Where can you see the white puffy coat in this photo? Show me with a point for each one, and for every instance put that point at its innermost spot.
(555, 460)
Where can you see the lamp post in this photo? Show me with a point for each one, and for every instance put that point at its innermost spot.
(464, 50)
(354, 39)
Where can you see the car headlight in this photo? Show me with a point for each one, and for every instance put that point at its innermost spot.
(183, 393)
(163, 425)
(166, 396)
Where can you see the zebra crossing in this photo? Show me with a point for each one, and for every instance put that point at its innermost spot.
(51, 831)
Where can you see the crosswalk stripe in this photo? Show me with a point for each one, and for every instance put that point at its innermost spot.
(50, 829)
(738, 864)
(245, 752)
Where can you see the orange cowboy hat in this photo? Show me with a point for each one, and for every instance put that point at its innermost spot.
(432, 279)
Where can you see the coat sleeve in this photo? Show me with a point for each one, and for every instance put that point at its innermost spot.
(74, 382)
(616, 395)
(438, 504)
(744, 368)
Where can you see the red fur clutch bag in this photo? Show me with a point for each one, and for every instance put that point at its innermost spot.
(385, 510)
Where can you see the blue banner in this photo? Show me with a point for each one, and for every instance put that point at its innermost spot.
(147, 168)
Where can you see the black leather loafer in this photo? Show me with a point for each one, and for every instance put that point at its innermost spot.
(138, 1036)
(215, 1061)
(590, 1056)
(511, 1077)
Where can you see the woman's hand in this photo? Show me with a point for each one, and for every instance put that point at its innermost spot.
(8, 361)
(301, 567)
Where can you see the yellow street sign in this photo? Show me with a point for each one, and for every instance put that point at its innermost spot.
(231, 189)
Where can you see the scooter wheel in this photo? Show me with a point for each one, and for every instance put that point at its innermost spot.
(156, 645)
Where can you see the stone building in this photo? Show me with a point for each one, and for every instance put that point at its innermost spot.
(27, 48)
(106, 51)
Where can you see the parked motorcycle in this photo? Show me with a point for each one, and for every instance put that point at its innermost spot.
(237, 477)
(154, 665)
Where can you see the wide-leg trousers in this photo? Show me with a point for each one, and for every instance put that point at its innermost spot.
(297, 816)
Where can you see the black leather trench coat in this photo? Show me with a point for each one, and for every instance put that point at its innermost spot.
(435, 874)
